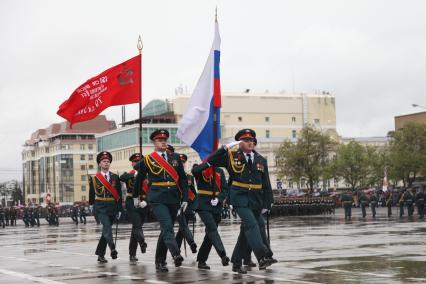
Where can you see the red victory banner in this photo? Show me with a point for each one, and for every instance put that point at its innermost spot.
(119, 85)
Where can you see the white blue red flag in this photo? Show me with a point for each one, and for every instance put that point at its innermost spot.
(198, 127)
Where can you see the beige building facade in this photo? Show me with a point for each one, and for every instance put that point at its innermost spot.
(274, 116)
(56, 160)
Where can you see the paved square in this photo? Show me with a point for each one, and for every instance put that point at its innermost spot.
(310, 249)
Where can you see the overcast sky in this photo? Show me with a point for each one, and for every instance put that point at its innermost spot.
(370, 54)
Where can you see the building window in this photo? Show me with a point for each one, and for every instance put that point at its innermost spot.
(240, 119)
(90, 167)
(83, 178)
(267, 133)
(90, 157)
(266, 118)
(83, 188)
(83, 198)
(82, 157)
(82, 147)
(83, 167)
(293, 119)
(316, 121)
(293, 134)
(90, 146)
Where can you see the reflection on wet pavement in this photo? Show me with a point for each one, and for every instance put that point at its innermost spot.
(310, 249)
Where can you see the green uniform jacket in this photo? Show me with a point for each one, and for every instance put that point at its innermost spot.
(129, 181)
(165, 194)
(97, 190)
(240, 172)
(202, 201)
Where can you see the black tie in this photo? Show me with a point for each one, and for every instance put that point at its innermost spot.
(106, 177)
(164, 156)
(249, 161)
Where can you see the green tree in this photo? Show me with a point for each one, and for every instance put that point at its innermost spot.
(352, 163)
(407, 153)
(307, 158)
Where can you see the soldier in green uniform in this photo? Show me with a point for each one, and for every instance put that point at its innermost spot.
(363, 203)
(388, 200)
(245, 248)
(2, 221)
(409, 201)
(74, 213)
(401, 203)
(249, 193)
(212, 192)
(135, 210)
(373, 204)
(420, 201)
(168, 186)
(347, 204)
(13, 213)
(184, 233)
(36, 215)
(105, 194)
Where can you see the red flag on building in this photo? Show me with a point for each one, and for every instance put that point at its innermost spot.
(119, 85)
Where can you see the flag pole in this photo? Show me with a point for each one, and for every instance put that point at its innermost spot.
(140, 47)
(213, 177)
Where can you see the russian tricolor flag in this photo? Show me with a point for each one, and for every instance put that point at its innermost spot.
(197, 127)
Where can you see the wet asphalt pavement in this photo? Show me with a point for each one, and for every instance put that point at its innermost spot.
(310, 249)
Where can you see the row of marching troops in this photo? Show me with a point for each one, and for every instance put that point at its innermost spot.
(8, 216)
(30, 215)
(408, 198)
(79, 212)
(303, 206)
(158, 180)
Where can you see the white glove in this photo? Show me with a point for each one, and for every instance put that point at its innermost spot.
(136, 202)
(183, 206)
(118, 215)
(232, 144)
(136, 173)
(214, 201)
(264, 211)
(143, 204)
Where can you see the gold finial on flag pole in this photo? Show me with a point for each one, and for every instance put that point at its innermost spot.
(215, 15)
(140, 45)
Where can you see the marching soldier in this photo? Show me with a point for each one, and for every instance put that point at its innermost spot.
(82, 213)
(245, 249)
(26, 216)
(388, 198)
(74, 213)
(249, 194)
(105, 195)
(2, 222)
(401, 203)
(36, 215)
(373, 204)
(136, 212)
(13, 213)
(7, 215)
(347, 204)
(212, 192)
(409, 201)
(420, 201)
(168, 186)
(363, 203)
(184, 233)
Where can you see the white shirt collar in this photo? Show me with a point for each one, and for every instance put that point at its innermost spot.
(161, 153)
(251, 156)
(107, 173)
